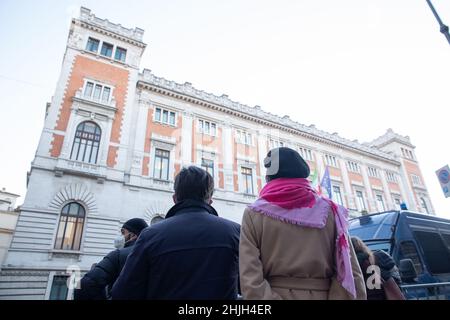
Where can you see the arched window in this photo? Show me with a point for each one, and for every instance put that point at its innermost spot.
(86, 143)
(70, 229)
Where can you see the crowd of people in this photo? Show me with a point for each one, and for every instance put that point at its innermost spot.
(293, 243)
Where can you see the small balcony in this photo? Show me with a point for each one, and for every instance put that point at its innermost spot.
(109, 105)
(80, 168)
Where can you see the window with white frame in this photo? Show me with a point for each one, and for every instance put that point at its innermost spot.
(59, 289)
(397, 203)
(208, 165)
(407, 153)
(207, 127)
(416, 180)
(244, 137)
(380, 202)
(120, 54)
(275, 144)
(353, 166)
(247, 180)
(92, 45)
(165, 116)
(97, 92)
(423, 203)
(337, 196)
(70, 228)
(107, 49)
(373, 172)
(86, 142)
(161, 166)
(360, 200)
(331, 160)
(391, 176)
(305, 153)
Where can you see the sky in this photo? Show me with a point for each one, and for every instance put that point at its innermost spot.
(353, 67)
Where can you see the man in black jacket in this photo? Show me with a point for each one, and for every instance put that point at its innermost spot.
(95, 285)
(192, 254)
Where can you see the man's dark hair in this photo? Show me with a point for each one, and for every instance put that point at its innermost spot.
(193, 183)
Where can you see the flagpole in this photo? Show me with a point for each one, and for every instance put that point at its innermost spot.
(443, 27)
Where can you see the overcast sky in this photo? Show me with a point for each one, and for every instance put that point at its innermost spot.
(351, 66)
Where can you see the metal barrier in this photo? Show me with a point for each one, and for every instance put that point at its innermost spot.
(428, 291)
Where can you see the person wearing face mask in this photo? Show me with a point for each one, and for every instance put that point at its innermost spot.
(95, 284)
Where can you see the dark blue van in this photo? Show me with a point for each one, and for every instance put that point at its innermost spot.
(419, 244)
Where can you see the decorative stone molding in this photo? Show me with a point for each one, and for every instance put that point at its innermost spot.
(74, 192)
(95, 105)
(388, 137)
(163, 141)
(136, 34)
(75, 40)
(189, 93)
(156, 209)
(23, 273)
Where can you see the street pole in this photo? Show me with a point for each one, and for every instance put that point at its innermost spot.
(443, 27)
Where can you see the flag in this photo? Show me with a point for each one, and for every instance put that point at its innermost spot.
(315, 181)
(326, 183)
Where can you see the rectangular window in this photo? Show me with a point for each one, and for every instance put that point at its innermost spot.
(106, 50)
(213, 129)
(337, 195)
(88, 89)
(105, 94)
(380, 202)
(305, 153)
(59, 288)
(165, 116)
(92, 45)
(373, 172)
(243, 137)
(391, 176)
(331, 160)
(172, 118)
(247, 178)
(208, 165)
(97, 92)
(158, 114)
(161, 167)
(397, 203)
(423, 203)
(436, 253)
(360, 200)
(353, 166)
(416, 180)
(120, 54)
(275, 144)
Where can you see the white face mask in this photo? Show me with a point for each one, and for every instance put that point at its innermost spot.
(119, 241)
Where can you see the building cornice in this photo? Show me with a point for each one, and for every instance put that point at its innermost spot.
(90, 21)
(389, 137)
(9, 193)
(222, 103)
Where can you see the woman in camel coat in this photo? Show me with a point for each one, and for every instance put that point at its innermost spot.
(294, 242)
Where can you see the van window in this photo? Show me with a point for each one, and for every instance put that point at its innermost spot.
(446, 238)
(436, 253)
(408, 251)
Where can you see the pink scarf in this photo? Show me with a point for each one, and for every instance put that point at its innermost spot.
(292, 200)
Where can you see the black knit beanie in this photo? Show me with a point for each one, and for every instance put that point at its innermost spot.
(285, 163)
(135, 225)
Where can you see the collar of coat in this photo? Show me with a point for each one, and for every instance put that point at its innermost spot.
(189, 205)
(129, 243)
